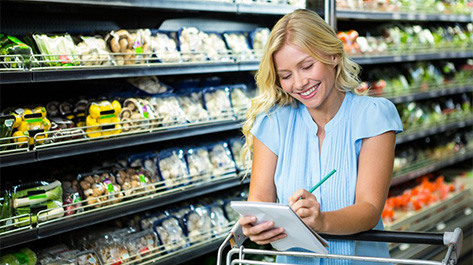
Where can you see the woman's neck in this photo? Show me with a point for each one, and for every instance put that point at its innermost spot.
(323, 114)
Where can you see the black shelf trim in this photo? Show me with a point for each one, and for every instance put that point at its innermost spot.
(403, 16)
(430, 94)
(411, 57)
(15, 77)
(88, 219)
(66, 150)
(431, 167)
(409, 136)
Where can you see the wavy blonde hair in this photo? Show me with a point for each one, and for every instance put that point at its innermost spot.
(308, 31)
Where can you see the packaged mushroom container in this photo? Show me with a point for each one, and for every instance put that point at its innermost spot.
(111, 249)
(239, 45)
(240, 99)
(258, 38)
(93, 51)
(200, 167)
(100, 189)
(170, 234)
(221, 159)
(88, 257)
(192, 105)
(63, 129)
(130, 47)
(230, 213)
(173, 168)
(197, 226)
(217, 102)
(165, 47)
(168, 110)
(220, 224)
(190, 45)
(236, 147)
(140, 244)
(150, 85)
(132, 116)
(147, 221)
(135, 181)
(103, 118)
(214, 47)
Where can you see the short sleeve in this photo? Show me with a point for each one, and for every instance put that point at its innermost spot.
(374, 116)
(266, 129)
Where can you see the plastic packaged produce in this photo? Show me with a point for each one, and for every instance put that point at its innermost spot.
(173, 168)
(88, 257)
(24, 256)
(200, 166)
(30, 126)
(170, 234)
(16, 54)
(238, 44)
(147, 221)
(220, 224)
(58, 50)
(191, 45)
(217, 102)
(168, 110)
(135, 181)
(102, 118)
(140, 244)
(71, 198)
(5, 211)
(93, 51)
(36, 201)
(197, 226)
(149, 84)
(259, 37)
(214, 47)
(130, 47)
(240, 99)
(191, 103)
(165, 47)
(132, 116)
(100, 189)
(221, 159)
(111, 249)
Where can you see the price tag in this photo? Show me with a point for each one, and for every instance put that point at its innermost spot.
(396, 16)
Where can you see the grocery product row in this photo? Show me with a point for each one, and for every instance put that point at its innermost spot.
(150, 236)
(130, 47)
(132, 177)
(149, 106)
(436, 6)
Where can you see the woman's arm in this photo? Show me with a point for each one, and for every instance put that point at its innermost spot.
(375, 166)
(263, 189)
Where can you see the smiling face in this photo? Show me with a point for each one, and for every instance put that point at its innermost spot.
(305, 78)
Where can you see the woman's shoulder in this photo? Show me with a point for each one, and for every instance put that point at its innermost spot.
(369, 105)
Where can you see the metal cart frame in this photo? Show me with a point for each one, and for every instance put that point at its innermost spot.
(451, 240)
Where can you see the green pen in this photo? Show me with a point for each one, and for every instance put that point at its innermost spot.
(320, 182)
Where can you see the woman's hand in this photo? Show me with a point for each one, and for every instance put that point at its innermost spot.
(262, 233)
(308, 208)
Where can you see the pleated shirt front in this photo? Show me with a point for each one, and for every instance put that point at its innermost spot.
(291, 134)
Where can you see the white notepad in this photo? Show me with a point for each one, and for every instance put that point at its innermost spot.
(298, 233)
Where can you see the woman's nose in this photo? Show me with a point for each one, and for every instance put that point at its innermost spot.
(299, 81)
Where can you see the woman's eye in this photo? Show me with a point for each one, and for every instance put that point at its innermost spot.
(284, 77)
(307, 67)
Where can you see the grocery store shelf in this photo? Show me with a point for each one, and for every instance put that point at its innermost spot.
(425, 167)
(45, 152)
(419, 95)
(420, 132)
(137, 205)
(403, 16)
(377, 59)
(188, 5)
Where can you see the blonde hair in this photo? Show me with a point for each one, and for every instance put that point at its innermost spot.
(308, 31)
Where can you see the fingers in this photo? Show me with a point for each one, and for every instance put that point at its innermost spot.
(262, 233)
(300, 194)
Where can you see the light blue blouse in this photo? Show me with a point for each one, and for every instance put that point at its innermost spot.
(292, 135)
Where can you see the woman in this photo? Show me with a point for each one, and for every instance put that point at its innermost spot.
(306, 122)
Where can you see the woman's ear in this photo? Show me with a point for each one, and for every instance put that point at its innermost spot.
(335, 60)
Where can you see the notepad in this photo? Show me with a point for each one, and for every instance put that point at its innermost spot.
(298, 233)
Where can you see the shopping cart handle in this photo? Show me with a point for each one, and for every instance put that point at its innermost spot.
(403, 237)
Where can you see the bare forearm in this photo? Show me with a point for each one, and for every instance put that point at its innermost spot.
(350, 220)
